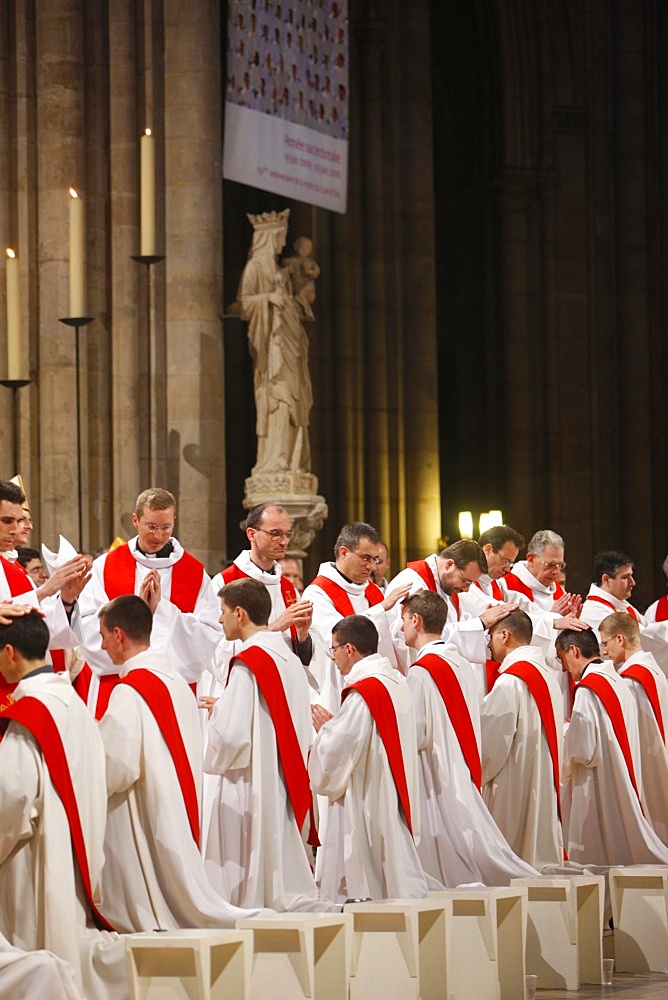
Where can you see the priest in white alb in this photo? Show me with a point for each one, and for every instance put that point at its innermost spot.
(459, 840)
(521, 727)
(258, 739)
(603, 819)
(52, 819)
(153, 875)
(364, 760)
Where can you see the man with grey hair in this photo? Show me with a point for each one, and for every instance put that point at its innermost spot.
(154, 566)
(537, 577)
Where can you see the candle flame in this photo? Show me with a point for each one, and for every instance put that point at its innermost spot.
(73, 193)
(10, 253)
(147, 132)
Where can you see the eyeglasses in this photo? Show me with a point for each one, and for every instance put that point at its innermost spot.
(366, 559)
(552, 565)
(162, 529)
(504, 561)
(465, 582)
(333, 649)
(276, 534)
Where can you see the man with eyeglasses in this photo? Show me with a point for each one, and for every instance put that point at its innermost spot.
(501, 545)
(56, 598)
(364, 764)
(459, 840)
(269, 530)
(537, 576)
(154, 566)
(342, 588)
(450, 574)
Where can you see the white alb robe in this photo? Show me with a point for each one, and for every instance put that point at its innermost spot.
(36, 974)
(462, 630)
(189, 639)
(459, 840)
(477, 599)
(254, 853)
(653, 635)
(42, 901)
(543, 594)
(368, 850)
(154, 873)
(653, 752)
(602, 814)
(517, 770)
(325, 617)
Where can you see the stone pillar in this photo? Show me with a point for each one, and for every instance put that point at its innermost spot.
(61, 164)
(127, 278)
(193, 187)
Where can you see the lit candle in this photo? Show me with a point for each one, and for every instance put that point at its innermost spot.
(13, 318)
(77, 255)
(147, 200)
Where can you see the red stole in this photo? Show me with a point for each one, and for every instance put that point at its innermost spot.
(379, 702)
(609, 604)
(120, 568)
(606, 694)
(156, 694)
(497, 593)
(424, 571)
(266, 673)
(232, 573)
(19, 583)
(540, 693)
(644, 676)
(445, 679)
(492, 666)
(662, 609)
(340, 597)
(35, 716)
(119, 572)
(514, 583)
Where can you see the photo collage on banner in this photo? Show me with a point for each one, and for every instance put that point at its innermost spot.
(286, 107)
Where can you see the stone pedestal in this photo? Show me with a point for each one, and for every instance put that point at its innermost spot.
(297, 492)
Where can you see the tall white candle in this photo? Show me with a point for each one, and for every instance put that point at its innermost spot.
(77, 255)
(13, 317)
(147, 198)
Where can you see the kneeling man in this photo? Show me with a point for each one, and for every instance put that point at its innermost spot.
(154, 875)
(259, 737)
(364, 759)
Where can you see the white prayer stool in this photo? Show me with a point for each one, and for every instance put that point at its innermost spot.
(639, 897)
(564, 930)
(485, 942)
(189, 965)
(298, 955)
(398, 950)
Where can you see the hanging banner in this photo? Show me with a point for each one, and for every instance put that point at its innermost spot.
(286, 104)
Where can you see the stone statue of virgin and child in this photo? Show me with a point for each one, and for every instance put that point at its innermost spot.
(276, 300)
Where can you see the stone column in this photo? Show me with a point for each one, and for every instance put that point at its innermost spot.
(61, 163)
(193, 188)
(127, 278)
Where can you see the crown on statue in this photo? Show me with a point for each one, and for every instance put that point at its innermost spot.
(269, 220)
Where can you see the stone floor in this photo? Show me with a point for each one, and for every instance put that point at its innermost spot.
(643, 986)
